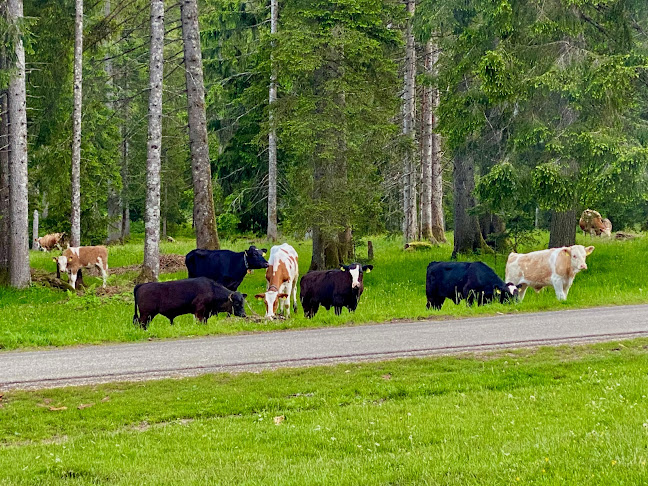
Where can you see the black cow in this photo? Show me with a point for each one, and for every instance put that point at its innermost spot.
(201, 297)
(332, 288)
(473, 281)
(224, 266)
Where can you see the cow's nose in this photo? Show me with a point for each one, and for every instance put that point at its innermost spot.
(583, 266)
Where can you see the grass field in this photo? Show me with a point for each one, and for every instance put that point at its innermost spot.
(395, 289)
(568, 415)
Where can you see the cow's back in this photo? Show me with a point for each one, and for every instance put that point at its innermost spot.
(218, 265)
(534, 269)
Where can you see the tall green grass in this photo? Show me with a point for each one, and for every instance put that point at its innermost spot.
(553, 416)
(394, 290)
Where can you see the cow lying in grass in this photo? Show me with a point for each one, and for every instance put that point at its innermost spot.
(74, 258)
(472, 281)
(201, 297)
(555, 267)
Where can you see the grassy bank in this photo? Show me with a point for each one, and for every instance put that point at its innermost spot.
(394, 290)
(569, 415)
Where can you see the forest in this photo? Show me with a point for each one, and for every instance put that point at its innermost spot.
(329, 120)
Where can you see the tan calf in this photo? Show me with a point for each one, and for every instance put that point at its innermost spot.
(555, 267)
(281, 278)
(76, 257)
(50, 241)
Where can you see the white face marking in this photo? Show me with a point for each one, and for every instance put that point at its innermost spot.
(62, 263)
(578, 258)
(512, 288)
(270, 299)
(355, 276)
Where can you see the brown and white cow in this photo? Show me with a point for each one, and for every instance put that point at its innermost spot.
(591, 222)
(51, 241)
(281, 280)
(608, 227)
(76, 257)
(555, 267)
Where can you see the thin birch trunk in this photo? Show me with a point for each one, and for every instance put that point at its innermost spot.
(19, 275)
(125, 206)
(426, 154)
(272, 136)
(35, 245)
(75, 218)
(436, 182)
(410, 225)
(151, 267)
(204, 217)
(4, 178)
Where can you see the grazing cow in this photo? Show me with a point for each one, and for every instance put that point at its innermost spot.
(201, 297)
(591, 222)
(333, 288)
(608, 227)
(473, 281)
(281, 277)
(74, 258)
(555, 267)
(224, 266)
(51, 241)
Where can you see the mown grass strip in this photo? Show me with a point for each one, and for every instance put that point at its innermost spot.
(550, 416)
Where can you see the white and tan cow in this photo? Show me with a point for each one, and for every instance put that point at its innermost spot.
(76, 257)
(281, 280)
(50, 241)
(555, 267)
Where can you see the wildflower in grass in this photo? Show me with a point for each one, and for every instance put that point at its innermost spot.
(614, 462)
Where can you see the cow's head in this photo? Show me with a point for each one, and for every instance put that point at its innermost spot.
(356, 270)
(508, 292)
(254, 258)
(61, 263)
(577, 255)
(271, 299)
(238, 303)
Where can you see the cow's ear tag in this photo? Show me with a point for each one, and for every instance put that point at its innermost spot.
(342, 268)
(368, 270)
(497, 291)
(259, 296)
(263, 254)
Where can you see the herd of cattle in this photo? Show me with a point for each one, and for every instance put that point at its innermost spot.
(215, 275)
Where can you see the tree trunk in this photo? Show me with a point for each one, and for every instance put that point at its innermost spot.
(204, 217)
(19, 275)
(467, 235)
(272, 135)
(35, 245)
(151, 267)
(125, 206)
(562, 231)
(410, 174)
(75, 214)
(427, 126)
(436, 181)
(4, 178)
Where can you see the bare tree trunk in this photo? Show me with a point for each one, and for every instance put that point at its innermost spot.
(151, 267)
(467, 235)
(35, 245)
(19, 275)
(204, 217)
(562, 230)
(436, 183)
(75, 214)
(410, 225)
(272, 135)
(426, 152)
(4, 175)
(125, 206)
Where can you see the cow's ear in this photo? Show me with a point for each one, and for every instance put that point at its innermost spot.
(589, 250)
(264, 251)
(282, 296)
(244, 296)
(55, 259)
(259, 296)
(567, 250)
(367, 268)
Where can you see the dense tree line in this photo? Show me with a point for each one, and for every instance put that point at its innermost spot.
(329, 118)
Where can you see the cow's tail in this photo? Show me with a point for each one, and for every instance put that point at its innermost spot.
(135, 316)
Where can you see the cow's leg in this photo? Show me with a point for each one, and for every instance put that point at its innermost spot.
(338, 310)
(104, 274)
(294, 294)
(557, 283)
(72, 277)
